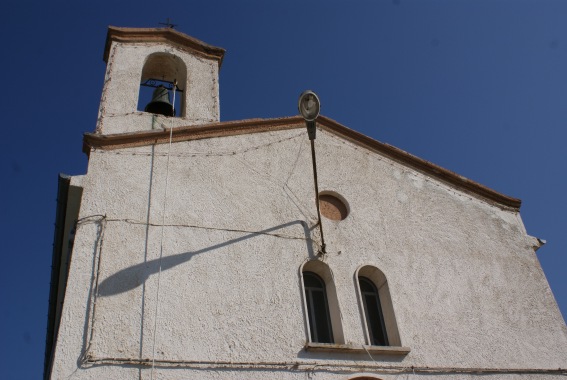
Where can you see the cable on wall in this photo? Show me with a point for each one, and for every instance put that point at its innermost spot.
(128, 152)
(161, 246)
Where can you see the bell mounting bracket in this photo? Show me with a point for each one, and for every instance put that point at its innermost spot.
(151, 82)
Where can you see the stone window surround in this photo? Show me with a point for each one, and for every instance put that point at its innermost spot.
(351, 348)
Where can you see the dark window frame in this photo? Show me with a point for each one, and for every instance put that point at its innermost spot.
(316, 299)
(373, 312)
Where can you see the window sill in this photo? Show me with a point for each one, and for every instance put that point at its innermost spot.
(349, 348)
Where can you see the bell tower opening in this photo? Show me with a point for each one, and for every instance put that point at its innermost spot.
(162, 85)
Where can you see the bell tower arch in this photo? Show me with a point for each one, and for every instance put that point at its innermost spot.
(163, 80)
(158, 66)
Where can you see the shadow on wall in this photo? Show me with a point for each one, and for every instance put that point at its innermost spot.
(134, 276)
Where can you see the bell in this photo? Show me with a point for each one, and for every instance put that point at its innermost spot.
(160, 103)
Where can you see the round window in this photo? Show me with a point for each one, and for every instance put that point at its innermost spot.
(333, 206)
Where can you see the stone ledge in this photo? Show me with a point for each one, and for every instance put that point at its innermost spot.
(349, 348)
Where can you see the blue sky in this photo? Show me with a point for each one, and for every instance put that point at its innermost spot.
(476, 86)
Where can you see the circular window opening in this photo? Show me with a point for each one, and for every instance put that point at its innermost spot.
(332, 206)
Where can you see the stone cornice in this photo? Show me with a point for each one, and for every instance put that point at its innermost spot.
(193, 132)
(161, 35)
(232, 128)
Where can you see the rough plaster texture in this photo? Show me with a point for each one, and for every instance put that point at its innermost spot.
(118, 108)
(466, 286)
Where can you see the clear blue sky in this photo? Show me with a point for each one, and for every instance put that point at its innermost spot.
(476, 86)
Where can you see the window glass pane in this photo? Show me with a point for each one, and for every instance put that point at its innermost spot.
(373, 313)
(322, 321)
(365, 286)
(312, 281)
(317, 308)
(310, 314)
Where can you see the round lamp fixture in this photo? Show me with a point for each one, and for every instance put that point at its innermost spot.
(309, 105)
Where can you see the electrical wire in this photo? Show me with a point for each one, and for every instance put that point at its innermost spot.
(331, 367)
(283, 236)
(161, 250)
(127, 152)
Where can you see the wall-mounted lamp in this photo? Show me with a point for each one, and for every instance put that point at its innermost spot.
(309, 108)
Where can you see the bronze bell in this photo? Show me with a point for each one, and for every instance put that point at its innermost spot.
(160, 103)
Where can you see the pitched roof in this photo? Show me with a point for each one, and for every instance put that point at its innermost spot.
(232, 128)
(168, 35)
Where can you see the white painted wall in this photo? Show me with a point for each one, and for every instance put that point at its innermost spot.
(466, 286)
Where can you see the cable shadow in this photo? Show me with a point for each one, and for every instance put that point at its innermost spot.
(132, 277)
(95, 255)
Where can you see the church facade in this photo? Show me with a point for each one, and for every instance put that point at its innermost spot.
(192, 248)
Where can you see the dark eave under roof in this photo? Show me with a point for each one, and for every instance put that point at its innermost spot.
(161, 35)
(231, 128)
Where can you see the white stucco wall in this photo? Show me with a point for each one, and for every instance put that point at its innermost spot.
(466, 286)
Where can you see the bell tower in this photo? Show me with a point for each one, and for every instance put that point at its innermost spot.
(157, 78)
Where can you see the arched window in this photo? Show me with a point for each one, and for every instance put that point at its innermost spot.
(376, 308)
(373, 312)
(322, 313)
(317, 308)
